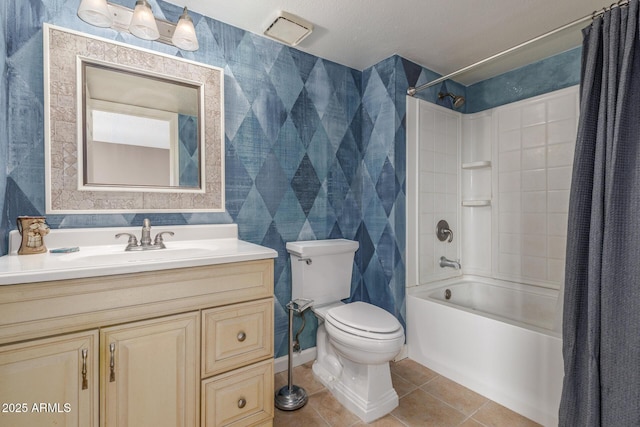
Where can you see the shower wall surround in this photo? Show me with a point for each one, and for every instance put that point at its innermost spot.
(534, 148)
(476, 192)
(514, 169)
(439, 132)
(313, 149)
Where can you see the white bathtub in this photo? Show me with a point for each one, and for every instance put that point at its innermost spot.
(499, 339)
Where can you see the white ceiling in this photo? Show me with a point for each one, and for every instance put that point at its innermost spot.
(442, 35)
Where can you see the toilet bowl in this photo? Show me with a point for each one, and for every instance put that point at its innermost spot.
(355, 341)
(364, 333)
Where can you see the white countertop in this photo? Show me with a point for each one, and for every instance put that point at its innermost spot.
(191, 246)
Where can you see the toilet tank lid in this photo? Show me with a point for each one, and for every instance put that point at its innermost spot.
(308, 248)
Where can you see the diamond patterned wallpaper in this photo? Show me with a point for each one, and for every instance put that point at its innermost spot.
(314, 149)
(299, 162)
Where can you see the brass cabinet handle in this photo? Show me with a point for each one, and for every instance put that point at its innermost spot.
(241, 336)
(85, 382)
(112, 362)
(242, 403)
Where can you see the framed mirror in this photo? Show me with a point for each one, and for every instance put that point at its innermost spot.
(130, 130)
(139, 130)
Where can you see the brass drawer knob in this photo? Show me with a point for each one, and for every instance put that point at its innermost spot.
(241, 336)
(242, 403)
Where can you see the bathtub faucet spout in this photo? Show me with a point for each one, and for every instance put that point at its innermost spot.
(444, 262)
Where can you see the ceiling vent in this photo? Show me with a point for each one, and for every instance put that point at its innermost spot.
(289, 29)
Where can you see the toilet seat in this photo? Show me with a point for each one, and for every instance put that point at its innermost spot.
(364, 320)
(322, 309)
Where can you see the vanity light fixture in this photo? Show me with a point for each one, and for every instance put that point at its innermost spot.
(289, 29)
(140, 22)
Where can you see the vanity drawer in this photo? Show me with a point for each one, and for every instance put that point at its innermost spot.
(236, 335)
(239, 398)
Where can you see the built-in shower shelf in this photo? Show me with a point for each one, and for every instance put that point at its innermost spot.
(482, 164)
(476, 203)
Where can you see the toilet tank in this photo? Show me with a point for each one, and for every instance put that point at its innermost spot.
(327, 277)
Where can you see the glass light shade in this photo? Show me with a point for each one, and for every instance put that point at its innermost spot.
(143, 23)
(95, 12)
(184, 37)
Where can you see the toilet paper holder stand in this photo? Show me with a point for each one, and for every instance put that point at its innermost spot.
(291, 397)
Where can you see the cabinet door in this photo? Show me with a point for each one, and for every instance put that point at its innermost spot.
(149, 372)
(52, 381)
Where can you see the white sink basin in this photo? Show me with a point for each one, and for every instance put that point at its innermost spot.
(117, 255)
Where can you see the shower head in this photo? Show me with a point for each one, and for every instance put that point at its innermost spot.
(458, 100)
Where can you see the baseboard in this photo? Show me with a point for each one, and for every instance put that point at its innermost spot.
(281, 364)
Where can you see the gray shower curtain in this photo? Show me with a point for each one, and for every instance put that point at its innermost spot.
(601, 325)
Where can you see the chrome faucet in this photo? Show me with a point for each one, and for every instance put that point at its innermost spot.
(444, 262)
(145, 239)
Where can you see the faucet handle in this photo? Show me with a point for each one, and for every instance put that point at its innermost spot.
(158, 241)
(133, 241)
(443, 232)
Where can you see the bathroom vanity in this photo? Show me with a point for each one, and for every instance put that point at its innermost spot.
(181, 336)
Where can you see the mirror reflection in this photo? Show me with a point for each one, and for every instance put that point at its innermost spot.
(139, 130)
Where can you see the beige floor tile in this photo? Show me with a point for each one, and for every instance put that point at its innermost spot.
(412, 371)
(494, 415)
(402, 386)
(331, 410)
(386, 421)
(302, 377)
(461, 398)
(471, 423)
(305, 416)
(420, 409)
(279, 380)
(438, 402)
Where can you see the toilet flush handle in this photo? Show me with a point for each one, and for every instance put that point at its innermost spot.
(307, 260)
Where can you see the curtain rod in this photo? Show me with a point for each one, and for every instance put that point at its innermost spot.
(413, 90)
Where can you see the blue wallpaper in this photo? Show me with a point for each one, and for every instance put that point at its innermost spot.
(553, 73)
(314, 149)
(544, 76)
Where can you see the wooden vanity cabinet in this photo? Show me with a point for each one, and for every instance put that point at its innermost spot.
(182, 347)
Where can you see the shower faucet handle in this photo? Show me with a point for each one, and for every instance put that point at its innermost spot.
(443, 232)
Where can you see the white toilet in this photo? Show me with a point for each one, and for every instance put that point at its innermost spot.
(355, 341)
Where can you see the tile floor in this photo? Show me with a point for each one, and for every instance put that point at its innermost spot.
(426, 399)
